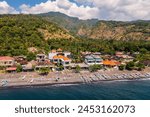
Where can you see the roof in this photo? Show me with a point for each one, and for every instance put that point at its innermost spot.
(53, 51)
(89, 57)
(111, 62)
(61, 57)
(93, 57)
(46, 62)
(59, 50)
(11, 69)
(120, 53)
(6, 58)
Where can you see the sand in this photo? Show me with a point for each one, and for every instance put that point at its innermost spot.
(65, 77)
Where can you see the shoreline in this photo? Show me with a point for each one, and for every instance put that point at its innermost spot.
(18, 80)
(59, 84)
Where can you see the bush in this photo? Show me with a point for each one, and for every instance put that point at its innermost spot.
(44, 71)
(94, 68)
(140, 66)
(19, 68)
(130, 66)
(77, 69)
(121, 67)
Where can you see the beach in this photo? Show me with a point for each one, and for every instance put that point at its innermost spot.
(68, 77)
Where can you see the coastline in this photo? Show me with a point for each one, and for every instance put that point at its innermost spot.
(68, 78)
(68, 83)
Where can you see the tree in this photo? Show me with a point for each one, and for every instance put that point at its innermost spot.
(94, 68)
(44, 71)
(19, 68)
(60, 67)
(77, 69)
(121, 67)
(31, 56)
(130, 66)
(140, 66)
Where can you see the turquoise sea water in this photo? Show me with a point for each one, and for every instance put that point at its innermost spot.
(117, 90)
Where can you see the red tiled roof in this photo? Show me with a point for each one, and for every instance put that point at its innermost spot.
(111, 62)
(11, 69)
(6, 58)
(61, 57)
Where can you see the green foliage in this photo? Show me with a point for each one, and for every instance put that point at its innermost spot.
(77, 69)
(130, 66)
(121, 67)
(31, 56)
(60, 67)
(94, 68)
(19, 68)
(44, 71)
(20, 32)
(140, 66)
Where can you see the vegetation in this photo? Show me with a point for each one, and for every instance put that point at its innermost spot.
(77, 69)
(140, 66)
(94, 68)
(19, 68)
(60, 67)
(122, 67)
(130, 66)
(19, 33)
(95, 29)
(44, 71)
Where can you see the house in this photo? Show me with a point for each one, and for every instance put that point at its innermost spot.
(63, 60)
(119, 54)
(21, 60)
(60, 57)
(93, 59)
(44, 64)
(127, 58)
(29, 66)
(90, 53)
(58, 52)
(40, 57)
(7, 61)
(111, 63)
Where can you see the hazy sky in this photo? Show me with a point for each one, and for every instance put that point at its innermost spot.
(84, 9)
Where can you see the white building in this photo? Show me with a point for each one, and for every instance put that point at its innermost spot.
(93, 59)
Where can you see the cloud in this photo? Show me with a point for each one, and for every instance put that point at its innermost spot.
(6, 9)
(87, 9)
(120, 9)
(64, 6)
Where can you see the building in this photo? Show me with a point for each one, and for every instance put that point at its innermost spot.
(60, 57)
(7, 61)
(119, 54)
(63, 60)
(40, 57)
(29, 66)
(58, 52)
(22, 60)
(11, 69)
(93, 59)
(44, 64)
(111, 63)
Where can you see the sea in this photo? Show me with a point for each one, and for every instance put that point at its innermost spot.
(113, 90)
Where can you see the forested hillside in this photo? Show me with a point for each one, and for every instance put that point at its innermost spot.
(20, 34)
(106, 30)
(30, 34)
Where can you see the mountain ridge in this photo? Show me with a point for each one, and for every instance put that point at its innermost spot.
(101, 29)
